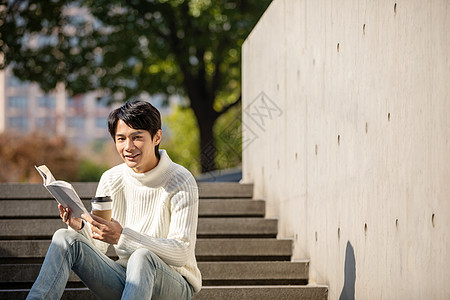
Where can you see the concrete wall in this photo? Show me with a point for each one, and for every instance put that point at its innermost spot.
(346, 134)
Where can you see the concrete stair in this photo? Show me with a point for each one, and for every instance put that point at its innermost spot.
(237, 249)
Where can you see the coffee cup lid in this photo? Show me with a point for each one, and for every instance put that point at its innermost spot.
(101, 199)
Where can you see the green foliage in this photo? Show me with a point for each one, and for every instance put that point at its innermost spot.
(181, 138)
(90, 171)
(228, 133)
(128, 47)
(191, 48)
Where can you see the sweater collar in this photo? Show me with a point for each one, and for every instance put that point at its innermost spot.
(153, 177)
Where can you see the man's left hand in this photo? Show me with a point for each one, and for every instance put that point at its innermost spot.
(105, 231)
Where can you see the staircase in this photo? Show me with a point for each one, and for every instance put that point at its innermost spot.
(237, 250)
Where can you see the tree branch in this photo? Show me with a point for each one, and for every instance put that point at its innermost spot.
(226, 108)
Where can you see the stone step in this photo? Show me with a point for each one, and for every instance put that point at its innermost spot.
(263, 292)
(87, 189)
(24, 208)
(254, 272)
(38, 191)
(208, 292)
(206, 249)
(231, 208)
(224, 190)
(237, 252)
(207, 227)
(213, 273)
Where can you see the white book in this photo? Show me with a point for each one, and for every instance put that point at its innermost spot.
(63, 192)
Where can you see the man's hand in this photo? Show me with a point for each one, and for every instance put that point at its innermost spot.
(66, 216)
(102, 230)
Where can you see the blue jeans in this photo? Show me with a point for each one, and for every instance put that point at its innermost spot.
(145, 277)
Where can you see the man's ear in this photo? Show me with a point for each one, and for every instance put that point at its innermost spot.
(157, 138)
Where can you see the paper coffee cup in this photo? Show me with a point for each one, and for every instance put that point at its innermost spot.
(102, 207)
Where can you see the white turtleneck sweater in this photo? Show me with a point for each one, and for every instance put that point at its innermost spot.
(158, 210)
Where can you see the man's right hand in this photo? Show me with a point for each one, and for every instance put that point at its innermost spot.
(66, 216)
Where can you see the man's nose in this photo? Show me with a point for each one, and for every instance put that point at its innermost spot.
(129, 145)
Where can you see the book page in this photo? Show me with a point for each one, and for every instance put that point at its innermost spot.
(46, 174)
(66, 195)
(63, 192)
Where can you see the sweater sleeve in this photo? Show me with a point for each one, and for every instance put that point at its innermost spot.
(86, 230)
(182, 231)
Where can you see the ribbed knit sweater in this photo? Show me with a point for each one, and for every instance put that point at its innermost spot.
(158, 210)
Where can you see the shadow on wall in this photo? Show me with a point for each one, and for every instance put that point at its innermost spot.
(348, 290)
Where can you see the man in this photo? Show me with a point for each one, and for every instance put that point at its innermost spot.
(153, 225)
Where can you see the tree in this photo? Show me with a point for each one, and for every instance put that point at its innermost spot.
(181, 137)
(128, 48)
(19, 155)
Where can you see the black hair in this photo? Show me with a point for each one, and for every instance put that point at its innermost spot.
(138, 115)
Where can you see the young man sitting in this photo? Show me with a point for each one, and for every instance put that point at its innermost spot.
(153, 226)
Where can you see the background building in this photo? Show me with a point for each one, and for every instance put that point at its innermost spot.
(25, 108)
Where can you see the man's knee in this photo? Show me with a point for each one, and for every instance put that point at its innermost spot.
(64, 235)
(141, 256)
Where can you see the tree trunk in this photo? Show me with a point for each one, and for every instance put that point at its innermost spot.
(202, 102)
(208, 148)
(202, 105)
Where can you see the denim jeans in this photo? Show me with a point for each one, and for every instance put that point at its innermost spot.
(145, 277)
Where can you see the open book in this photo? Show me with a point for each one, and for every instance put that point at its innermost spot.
(63, 192)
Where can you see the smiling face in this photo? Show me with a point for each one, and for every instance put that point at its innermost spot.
(136, 147)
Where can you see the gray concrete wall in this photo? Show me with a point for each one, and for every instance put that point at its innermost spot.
(346, 134)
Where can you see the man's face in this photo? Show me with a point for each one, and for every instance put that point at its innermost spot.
(136, 147)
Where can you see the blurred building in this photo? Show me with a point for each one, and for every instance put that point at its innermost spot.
(81, 119)
(25, 108)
